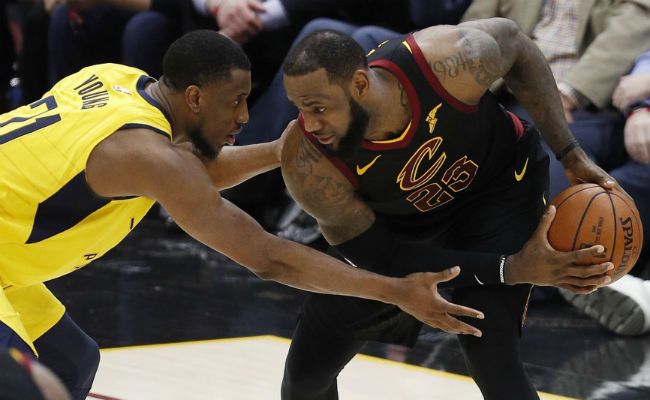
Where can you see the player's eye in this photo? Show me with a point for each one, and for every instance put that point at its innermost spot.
(319, 110)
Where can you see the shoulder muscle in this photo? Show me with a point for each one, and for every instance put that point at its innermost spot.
(469, 57)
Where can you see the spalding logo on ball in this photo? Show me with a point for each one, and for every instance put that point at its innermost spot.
(587, 215)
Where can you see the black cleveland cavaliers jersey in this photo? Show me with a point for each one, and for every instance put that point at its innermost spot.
(449, 151)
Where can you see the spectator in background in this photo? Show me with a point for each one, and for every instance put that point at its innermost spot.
(624, 306)
(632, 97)
(589, 46)
(266, 29)
(33, 60)
(7, 51)
(86, 32)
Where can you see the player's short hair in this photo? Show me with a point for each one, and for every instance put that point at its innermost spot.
(200, 57)
(334, 51)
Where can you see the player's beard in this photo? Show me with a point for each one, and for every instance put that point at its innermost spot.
(353, 138)
(202, 145)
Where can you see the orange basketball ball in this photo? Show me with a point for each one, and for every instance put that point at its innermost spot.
(587, 215)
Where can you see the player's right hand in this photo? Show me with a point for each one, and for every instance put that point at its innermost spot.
(279, 142)
(423, 301)
(538, 263)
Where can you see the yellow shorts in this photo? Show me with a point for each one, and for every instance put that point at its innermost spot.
(30, 311)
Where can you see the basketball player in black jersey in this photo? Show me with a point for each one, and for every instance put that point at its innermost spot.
(406, 160)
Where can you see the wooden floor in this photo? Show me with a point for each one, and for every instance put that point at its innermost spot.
(251, 368)
(161, 287)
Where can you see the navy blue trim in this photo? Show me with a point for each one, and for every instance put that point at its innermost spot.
(39, 123)
(145, 126)
(73, 202)
(142, 81)
(50, 103)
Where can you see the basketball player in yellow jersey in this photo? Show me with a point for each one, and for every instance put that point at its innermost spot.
(80, 168)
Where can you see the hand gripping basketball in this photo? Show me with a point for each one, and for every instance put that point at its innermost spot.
(588, 214)
(540, 264)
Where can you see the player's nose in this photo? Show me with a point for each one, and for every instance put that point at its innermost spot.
(242, 117)
(312, 124)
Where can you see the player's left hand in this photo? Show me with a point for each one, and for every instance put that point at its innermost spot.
(423, 301)
(579, 168)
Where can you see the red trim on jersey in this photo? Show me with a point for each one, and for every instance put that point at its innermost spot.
(519, 127)
(433, 80)
(340, 165)
(415, 107)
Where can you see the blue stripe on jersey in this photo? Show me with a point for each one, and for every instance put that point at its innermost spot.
(142, 81)
(144, 126)
(65, 208)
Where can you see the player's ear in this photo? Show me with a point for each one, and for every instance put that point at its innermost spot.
(360, 84)
(193, 98)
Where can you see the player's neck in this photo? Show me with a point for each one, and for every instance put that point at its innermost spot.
(163, 95)
(388, 105)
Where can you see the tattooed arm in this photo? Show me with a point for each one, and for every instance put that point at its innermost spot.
(469, 57)
(322, 191)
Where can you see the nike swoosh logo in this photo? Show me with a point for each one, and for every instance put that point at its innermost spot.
(520, 176)
(361, 171)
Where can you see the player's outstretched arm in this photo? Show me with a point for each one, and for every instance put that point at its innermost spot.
(469, 57)
(237, 164)
(142, 163)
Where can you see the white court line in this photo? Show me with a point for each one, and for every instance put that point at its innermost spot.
(251, 369)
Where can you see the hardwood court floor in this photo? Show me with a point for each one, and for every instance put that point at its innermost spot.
(251, 368)
(160, 286)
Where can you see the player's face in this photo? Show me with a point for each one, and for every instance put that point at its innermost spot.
(224, 111)
(329, 112)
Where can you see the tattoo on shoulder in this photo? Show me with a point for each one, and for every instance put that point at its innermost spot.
(403, 96)
(308, 155)
(314, 186)
(469, 59)
(326, 195)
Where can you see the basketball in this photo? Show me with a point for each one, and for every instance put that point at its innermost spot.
(587, 214)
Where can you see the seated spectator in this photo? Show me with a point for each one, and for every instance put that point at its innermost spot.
(82, 33)
(632, 97)
(630, 295)
(587, 57)
(7, 51)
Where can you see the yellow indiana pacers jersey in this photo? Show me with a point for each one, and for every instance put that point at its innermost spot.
(50, 221)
